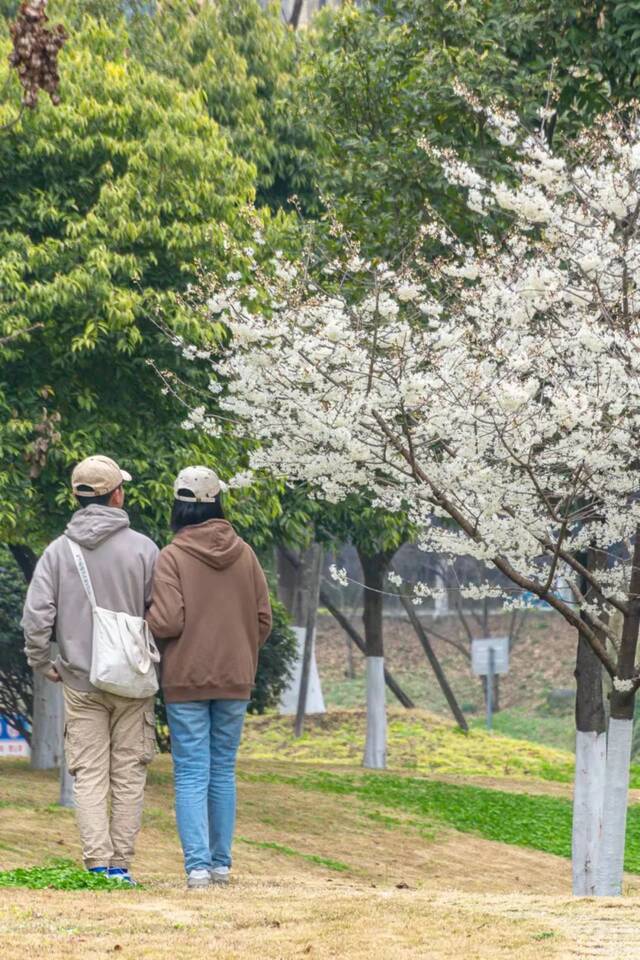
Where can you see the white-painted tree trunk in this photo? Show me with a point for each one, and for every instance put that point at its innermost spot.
(611, 856)
(289, 697)
(375, 751)
(588, 803)
(48, 724)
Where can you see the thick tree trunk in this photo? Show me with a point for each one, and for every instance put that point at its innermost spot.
(48, 713)
(591, 755)
(611, 857)
(375, 751)
(47, 723)
(374, 568)
(619, 739)
(289, 579)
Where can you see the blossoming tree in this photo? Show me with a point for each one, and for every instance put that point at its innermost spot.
(496, 387)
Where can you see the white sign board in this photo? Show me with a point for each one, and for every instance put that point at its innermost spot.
(480, 655)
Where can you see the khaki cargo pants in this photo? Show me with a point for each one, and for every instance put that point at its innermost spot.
(108, 743)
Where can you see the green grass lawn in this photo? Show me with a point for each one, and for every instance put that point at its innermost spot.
(540, 822)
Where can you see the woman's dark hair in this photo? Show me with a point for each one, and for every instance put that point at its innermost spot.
(188, 513)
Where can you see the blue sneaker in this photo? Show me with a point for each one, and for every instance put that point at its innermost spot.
(101, 871)
(122, 875)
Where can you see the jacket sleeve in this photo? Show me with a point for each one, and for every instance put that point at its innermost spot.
(165, 615)
(149, 568)
(263, 604)
(39, 615)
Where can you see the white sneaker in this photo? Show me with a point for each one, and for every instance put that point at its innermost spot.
(199, 879)
(219, 875)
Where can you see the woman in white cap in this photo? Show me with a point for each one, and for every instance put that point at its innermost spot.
(210, 611)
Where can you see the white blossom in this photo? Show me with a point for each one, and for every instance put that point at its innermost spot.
(339, 575)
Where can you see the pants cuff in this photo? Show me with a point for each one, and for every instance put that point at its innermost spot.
(119, 863)
(89, 864)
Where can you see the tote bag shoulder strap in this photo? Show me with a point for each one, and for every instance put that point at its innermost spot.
(82, 571)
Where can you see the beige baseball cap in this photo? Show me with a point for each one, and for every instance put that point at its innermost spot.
(95, 476)
(203, 485)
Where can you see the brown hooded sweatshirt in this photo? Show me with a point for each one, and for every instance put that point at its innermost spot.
(210, 604)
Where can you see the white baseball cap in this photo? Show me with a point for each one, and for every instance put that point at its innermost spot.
(203, 484)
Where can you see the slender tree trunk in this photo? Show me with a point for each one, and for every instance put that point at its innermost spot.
(374, 568)
(616, 795)
(591, 755)
(436, 666)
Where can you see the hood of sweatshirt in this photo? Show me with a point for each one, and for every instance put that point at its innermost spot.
(91, 526)
(214, 542)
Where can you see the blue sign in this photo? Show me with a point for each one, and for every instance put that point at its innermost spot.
(12, 743)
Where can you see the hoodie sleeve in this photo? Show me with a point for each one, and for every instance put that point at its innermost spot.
(149, 568)
(263, 604)
(39, 615)
(165, 615)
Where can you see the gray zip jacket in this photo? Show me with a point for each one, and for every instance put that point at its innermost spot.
(120, 563)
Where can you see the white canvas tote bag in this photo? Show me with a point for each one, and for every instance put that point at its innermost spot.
(123, 651)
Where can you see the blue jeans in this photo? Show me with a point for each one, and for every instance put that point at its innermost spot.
(205, 736)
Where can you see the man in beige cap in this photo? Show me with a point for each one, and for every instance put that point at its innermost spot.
(109, 740)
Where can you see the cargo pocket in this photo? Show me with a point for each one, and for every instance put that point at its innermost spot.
(70, 749)
(149, 736)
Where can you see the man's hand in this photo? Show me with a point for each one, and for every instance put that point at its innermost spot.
(52, 675)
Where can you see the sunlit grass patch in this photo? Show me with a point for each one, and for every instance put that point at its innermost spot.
(417, 741)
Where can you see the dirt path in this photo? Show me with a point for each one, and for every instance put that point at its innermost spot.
(603, 929)
(305, 916)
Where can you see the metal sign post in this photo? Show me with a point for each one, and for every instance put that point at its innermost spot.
(490, 676)
(490, 656)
